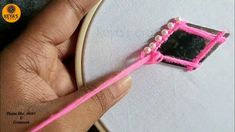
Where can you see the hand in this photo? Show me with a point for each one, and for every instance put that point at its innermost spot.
(35, 76)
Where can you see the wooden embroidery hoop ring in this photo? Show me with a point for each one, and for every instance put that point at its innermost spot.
(80, 48)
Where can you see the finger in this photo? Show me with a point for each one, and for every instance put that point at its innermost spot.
(64, 82)
(67, 48)
(57, 22)
(84, 116)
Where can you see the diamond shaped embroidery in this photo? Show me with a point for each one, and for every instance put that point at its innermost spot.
(184, 44)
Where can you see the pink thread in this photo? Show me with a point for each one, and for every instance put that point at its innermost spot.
(201, 33)
(100, 88)
(182, 25)
(152, 58)
(180, 62)
(206, 50)
(156, 57)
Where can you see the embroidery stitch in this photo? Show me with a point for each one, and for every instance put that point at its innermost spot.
(192, 48)
(150, 55)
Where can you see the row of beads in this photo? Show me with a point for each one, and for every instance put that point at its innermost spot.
(158, 38)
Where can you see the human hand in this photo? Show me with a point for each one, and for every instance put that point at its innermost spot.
(36, 74)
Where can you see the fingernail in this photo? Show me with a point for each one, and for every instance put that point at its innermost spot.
(121, 87)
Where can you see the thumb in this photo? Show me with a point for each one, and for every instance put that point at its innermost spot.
(84, 116)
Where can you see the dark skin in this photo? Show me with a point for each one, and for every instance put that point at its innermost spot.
(35, 78)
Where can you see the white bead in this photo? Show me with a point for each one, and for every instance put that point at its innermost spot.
(147, 50)
(164, 32)
(170, 25)
(158, 38)
(178, 19)
(153, 45)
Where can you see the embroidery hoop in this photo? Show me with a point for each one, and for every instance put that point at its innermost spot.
(79, 55)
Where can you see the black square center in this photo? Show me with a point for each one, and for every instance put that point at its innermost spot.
(183, 45)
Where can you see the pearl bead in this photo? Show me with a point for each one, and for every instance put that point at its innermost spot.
(158, 38)
(178, 19)
(170, 25)
(164, 32)
(147, 50)
(152, 45)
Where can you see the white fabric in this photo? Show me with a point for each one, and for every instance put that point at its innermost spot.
(164, 98)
